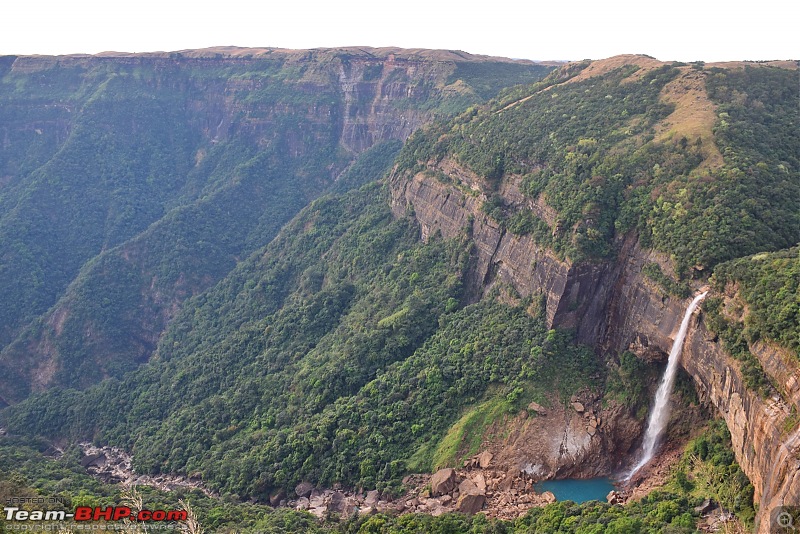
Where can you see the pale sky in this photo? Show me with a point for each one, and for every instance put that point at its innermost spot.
(684, 30)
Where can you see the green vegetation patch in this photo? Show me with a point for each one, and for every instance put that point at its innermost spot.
(465, 437)
(769, 284)
(371, 165)
(732, 334)
(332, 355)
(653, 271)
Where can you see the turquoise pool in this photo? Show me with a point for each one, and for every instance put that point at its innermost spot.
(577, 490)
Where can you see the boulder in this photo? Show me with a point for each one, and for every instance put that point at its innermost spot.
(316, 501)
(340, 504)
(484, 459)
(705, 507)
(94, 460)
(372, 498)
(471, 498)
(467, 487)
(548, 497)
(443, 481)
(614, 497)
(578, 407)
(470, 504)
(304, 489)
(302, 504)
(480, 482)
(436, 512)
(537, 408)
(276, 497)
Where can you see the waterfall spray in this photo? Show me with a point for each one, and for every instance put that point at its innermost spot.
(660, 414)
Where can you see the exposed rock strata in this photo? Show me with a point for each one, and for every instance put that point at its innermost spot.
(566, 443)
(571, 292)
(768, 452)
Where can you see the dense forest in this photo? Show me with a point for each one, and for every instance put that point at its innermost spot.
(336, 354)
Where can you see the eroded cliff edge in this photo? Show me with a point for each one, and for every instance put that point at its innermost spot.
(613, 306)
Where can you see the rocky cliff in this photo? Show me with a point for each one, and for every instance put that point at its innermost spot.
(572, 292)
(764, 431)
(615, 307)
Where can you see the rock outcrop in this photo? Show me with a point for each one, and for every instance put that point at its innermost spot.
(470, 497)
(114, 466)
(766, 447)
(490, 490)
(765, 439)
(567, 444)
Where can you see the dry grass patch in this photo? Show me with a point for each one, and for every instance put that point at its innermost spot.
(789, 64)
(694, 115)
(604, 66)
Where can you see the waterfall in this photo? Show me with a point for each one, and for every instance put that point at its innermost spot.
(660, 413)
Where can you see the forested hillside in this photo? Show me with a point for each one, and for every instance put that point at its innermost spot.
(608, 154)
(129, 184)
(335, 354)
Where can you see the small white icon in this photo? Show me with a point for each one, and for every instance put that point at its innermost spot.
(785, 520)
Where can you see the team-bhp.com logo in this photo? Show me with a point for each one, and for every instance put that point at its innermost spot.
(97, 513)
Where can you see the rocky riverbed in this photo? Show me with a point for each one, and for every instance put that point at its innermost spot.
(114, 466)
(480, 486)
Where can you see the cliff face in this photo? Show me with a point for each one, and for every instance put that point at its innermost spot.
(570, 292)
(371, 91)
(375, 95)
(767, 449)
(614, 307)
(765, 436)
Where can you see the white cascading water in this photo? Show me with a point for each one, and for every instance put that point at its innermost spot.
(660, 414)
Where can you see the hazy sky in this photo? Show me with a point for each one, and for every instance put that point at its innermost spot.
(685, 30)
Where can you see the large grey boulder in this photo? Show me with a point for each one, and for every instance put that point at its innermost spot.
(443, 481)
(304, 489)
